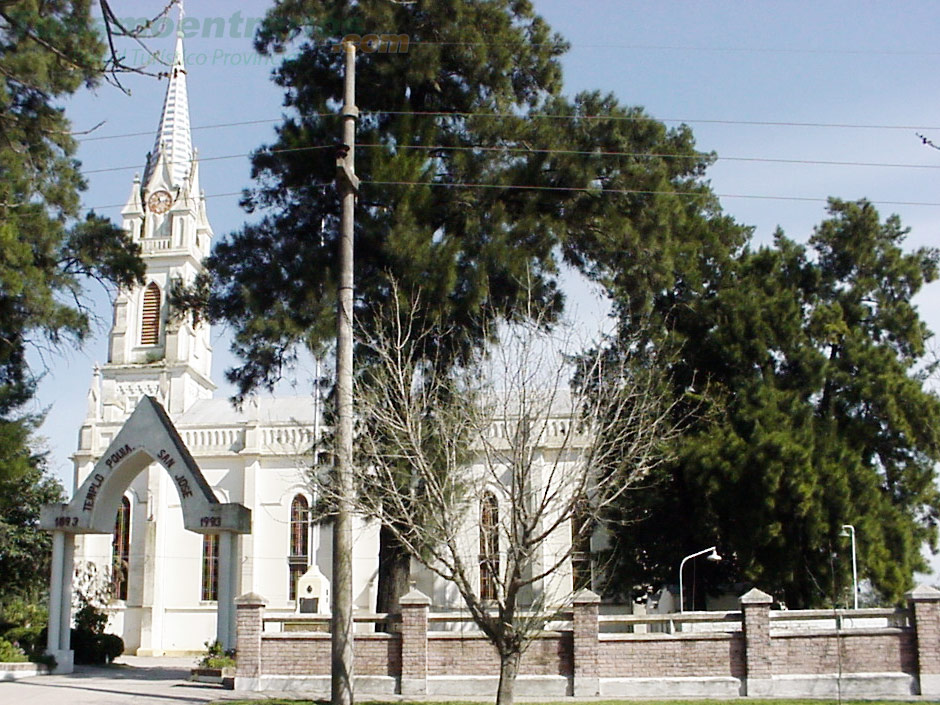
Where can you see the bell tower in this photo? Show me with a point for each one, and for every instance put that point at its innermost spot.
(152, 351)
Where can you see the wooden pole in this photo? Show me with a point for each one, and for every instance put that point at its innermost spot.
(341, 612)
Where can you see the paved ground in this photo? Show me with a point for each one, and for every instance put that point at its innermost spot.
(141, 681)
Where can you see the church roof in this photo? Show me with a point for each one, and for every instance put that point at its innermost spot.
(265, 410)
(174, 140)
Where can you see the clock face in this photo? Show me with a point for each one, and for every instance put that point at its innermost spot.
(159, 202)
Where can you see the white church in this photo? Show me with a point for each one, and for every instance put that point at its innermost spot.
(165, 579)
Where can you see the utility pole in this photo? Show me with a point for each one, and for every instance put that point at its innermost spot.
(341, 618)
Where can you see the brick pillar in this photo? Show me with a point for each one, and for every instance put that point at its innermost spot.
(755, 605)
(925, 608)
(414, 643)
(249, 623)
(585, 629)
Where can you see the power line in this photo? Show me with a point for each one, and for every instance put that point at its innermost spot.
(678, 47)
(579, 189)
(644, 118)
(653, 155)
(535, 150)
(215, 159)
(212, 126)
(549, 116)
(587, 189)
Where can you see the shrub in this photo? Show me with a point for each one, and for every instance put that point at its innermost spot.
(91, 619)
(89, 642)
(216, 656)
(95, 649)
(29, 638)
(110, 646)
(9, 653)
(23, 624)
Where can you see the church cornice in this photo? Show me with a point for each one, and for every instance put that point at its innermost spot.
(148, 368)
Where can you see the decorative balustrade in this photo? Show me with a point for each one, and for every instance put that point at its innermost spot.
(297, 439)
(230, 439)
(278, 440)
(150, 245)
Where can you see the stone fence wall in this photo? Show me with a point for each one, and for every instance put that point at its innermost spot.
(753, 652)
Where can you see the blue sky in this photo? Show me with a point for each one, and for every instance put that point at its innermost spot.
(805, 82)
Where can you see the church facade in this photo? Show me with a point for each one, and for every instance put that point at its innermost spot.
(164, 580)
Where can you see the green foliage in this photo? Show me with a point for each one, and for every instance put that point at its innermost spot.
(47, 51)
(92, 593)
(91, 619)
(24, 549)
(476, 256)
(95, 649)
(452, 111)
(813, 359)
(10, 653)
(23, 623)
(90, 643)
(216, 656)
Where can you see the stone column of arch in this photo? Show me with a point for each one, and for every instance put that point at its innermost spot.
(147, 436)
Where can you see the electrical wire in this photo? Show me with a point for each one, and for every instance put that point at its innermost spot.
(215, 159)
(584, 189)
(528, 150)
(578, 189)
(571, 46)
(547, 116)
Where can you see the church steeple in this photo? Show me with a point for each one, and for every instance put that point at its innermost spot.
(151, 350)
(173, 145)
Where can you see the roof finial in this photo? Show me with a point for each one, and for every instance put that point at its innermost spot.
(182, 13)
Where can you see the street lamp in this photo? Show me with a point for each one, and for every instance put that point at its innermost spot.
(712, 556)
(848, 531)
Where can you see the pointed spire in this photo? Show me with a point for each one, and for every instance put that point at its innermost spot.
(134, 206)
(94, 395)
(174, 140)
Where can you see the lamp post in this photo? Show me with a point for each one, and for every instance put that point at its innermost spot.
(848, 531)
(712, 556)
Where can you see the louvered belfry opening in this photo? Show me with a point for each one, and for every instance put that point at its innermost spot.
(150, 318)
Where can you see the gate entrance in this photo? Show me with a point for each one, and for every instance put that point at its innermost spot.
(148, 436)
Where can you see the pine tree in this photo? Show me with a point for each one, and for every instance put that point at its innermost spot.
(814, 359)
(47, 51)
(475, 100)
(25, 550)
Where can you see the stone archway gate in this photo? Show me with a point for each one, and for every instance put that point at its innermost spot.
(147, 436)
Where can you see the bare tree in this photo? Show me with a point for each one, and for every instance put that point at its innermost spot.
(495, 474)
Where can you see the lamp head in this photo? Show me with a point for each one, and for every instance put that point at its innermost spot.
(713, 556)
(845, 531)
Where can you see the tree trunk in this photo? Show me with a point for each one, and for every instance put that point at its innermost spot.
(508, 670)
(394, 572)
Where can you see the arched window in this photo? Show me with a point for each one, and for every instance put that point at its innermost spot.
(150, 316)
(298, 557)
(489, 546)
(210, 567)
(121, 550)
